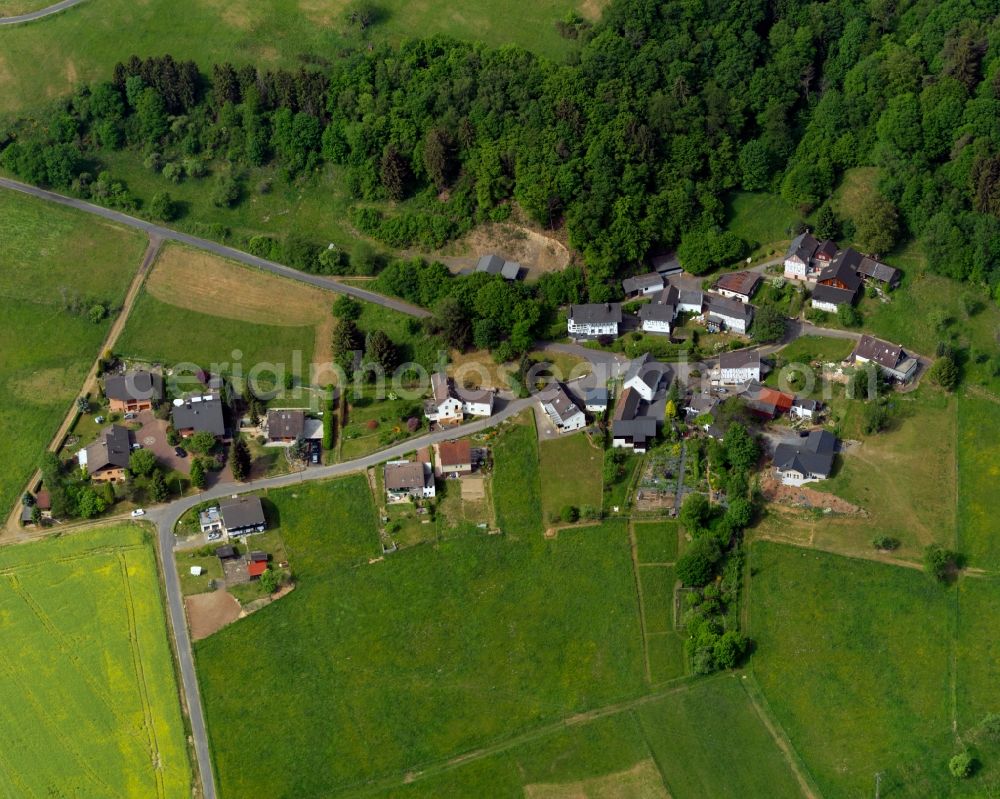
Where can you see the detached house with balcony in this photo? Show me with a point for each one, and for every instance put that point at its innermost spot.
(838, 283)
(408, 480)
(106, 460)
(450, 404)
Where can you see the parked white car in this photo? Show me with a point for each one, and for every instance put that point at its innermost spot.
(138, 512)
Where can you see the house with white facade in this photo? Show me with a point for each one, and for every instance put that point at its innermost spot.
(725, 314)
(738, 285)
(645, 376)
(640, 285)
(408, 480)
(804, 462)
(450, 404)
(805, 408)
(659, 315)
(595, 400)
(594, 319)
(891, 359)
(561, 408)
(739, 366)
(692, 302)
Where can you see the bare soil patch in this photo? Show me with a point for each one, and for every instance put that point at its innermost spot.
(207, 284)
(209, 613)
(473, 489)
(642, 781)
(536, 251)
(805, 497)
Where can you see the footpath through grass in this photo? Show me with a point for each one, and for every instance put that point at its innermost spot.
(853, 657)
(52, 262)
(367, 670)
(91, 706)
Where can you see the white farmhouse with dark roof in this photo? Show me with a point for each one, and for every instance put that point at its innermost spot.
(739, 366)
(594, 319)
(726, 314)
(891, 359)
(810, 460)
(659, 315)
(642, 284)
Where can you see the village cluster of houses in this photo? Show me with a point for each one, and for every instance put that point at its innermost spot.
(836, 275)
(726, 307)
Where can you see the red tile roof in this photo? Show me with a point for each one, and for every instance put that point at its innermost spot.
(257, 568)
(455, 453)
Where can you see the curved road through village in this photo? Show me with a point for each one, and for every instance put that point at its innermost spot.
(55, 8)
(165, 516)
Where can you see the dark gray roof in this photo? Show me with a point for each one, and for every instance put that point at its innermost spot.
(642, 282)
(510, 270)
(639, 430)
(225, 551)
(843, 268)
(881, 352)
(627, 405)
(725, 307)
(834, 295)
(813, 456)
(805, 402)
(738, 359)
(593, 396)
(666, 263)
(650, 371)
(691, 297)
(876, 270)
(285, 424)
(559, 404)
(244, 511)
(138, 385)
(200, 414)
(804, 246)
(112, 449)
(476, 395)
(702, 403)
(257, 556)
(491, 264)
(596, 313)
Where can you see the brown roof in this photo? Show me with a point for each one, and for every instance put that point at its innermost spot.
(285, 424)
(627, 405)
(455, 453)
(404, 476)
(881, 352)
(744, 283)
(111, 450)
(43, 500)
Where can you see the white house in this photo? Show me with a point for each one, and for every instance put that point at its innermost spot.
(738, 285)
(645, 376)
(891, 359)
(450, 404)
(659, 315)
(804, 408)
(690, 302)
(830, 298)
(408, 480)
(810, 460)
(557, 404)
(595, 319)
(740, 366)
(727, 314)
(596, 400)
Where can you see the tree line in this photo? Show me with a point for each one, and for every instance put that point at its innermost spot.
(632, 142)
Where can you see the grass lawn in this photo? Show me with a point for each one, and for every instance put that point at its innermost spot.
(571, 473)
(50, 257)
(853, 657)
(657, 541)
(204, 339)
(616, 494)
(658, 597)
(516, 488)
(666, 656)
(816, 348)
(709, 742)
(472, 640)
(917, 510)
(763, 220)
(978, 472)
(275, 33)
(358, 437)
(856, 186)
(89, 695)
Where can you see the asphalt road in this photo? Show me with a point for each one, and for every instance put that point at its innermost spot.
(42, 12)
(166, 516)
(168, 234)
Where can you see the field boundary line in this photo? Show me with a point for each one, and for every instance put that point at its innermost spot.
(140, 675)
(90, 381)
(760, 705)
(634, 550)
(379, 785)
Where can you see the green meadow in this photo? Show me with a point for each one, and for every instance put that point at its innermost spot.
(516, 488)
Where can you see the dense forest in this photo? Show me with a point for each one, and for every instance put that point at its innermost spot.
(632, 144)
